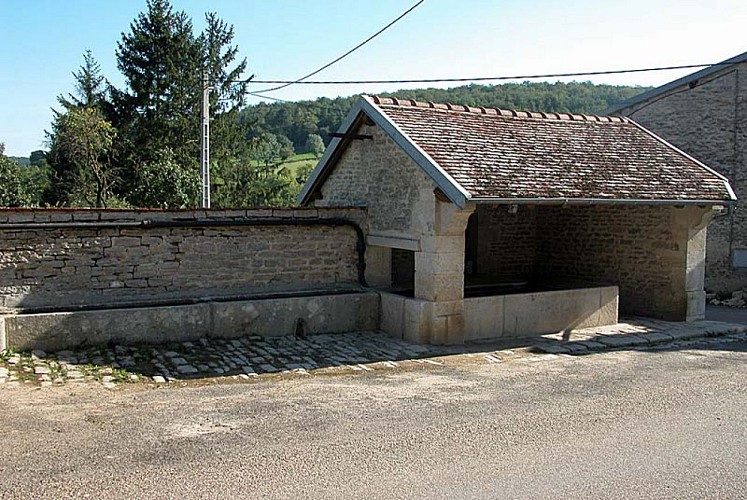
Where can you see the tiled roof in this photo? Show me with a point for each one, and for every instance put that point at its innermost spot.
(494, 153)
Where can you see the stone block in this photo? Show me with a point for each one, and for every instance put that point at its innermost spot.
(554, 311)
(696, 305)
(417, 321)
(56, 331)
(268, 317)
(483, 317)
(392, 314)
(449, 308)
(439, 287)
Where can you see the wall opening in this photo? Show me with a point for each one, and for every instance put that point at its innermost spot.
(403, 269)
(470, 246)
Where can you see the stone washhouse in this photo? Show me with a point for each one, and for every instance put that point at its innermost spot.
(485, 223)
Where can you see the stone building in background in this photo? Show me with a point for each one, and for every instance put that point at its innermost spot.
(705, 115)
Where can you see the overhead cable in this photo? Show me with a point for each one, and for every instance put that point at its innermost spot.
(478, 78)
(364, 42)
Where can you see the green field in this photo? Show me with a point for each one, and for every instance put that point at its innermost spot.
(294, 163)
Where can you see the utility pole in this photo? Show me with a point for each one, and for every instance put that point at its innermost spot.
(205, 143)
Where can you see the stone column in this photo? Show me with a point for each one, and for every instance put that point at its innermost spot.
(439, 273)
(697, 222)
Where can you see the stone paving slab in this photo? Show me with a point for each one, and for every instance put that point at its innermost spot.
(252, 357)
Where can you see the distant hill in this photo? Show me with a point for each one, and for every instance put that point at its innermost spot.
(21, 161)
(297, 120)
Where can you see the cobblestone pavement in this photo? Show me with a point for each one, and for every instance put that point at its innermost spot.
(250, 357)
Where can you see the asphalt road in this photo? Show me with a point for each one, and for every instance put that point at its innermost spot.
(726, 314)
(657, 424)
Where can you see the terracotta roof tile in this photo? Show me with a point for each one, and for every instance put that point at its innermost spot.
(496, 153)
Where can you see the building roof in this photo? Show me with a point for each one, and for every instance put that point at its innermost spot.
(691, 79)
(499, 156)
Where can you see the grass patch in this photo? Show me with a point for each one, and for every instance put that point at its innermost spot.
(8, 353)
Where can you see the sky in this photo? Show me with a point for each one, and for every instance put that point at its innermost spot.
(42, 43)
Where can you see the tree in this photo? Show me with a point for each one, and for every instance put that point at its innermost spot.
(82, 169)
(82, 140)
(315, 145)
(252, 184)
(165, 68)
(89, 84)
(303, 173)
(11, 187)
(164, 183)
(38, 158)
(160, 61)
(271, 149)
(285, 148)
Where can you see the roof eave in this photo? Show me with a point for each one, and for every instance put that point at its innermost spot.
(595, 201)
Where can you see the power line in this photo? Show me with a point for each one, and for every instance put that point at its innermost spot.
(477, 79)
(364, 42)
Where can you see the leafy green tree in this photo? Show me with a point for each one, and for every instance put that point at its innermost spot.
(271, 149)
(38, 158)
(285, 148)
(252, 184)
(164, 183)
(303, 173)
(35, 181)
(11, 186)
(315, 145)
(82, 147)
(82, 141)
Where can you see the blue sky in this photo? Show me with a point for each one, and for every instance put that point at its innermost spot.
(42, 41)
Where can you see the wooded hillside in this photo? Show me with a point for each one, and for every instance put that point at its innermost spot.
(296, 120)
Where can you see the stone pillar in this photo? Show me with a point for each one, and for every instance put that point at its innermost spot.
(695, 266)
(378, 266)
(439, 273)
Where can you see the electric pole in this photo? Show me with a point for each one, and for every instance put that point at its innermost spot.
(205, 143)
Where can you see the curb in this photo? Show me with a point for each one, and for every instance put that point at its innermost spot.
(613, 342)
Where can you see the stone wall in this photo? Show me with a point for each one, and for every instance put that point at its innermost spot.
(506, 243)
(378, 174)
(651, 252)
(709, 121)
(117, 259)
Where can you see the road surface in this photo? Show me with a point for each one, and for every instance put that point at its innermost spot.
(628, 424)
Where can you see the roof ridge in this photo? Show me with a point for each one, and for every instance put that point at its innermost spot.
(393, 101)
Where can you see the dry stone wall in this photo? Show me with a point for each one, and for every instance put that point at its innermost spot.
(117, 260)
(709, 122)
